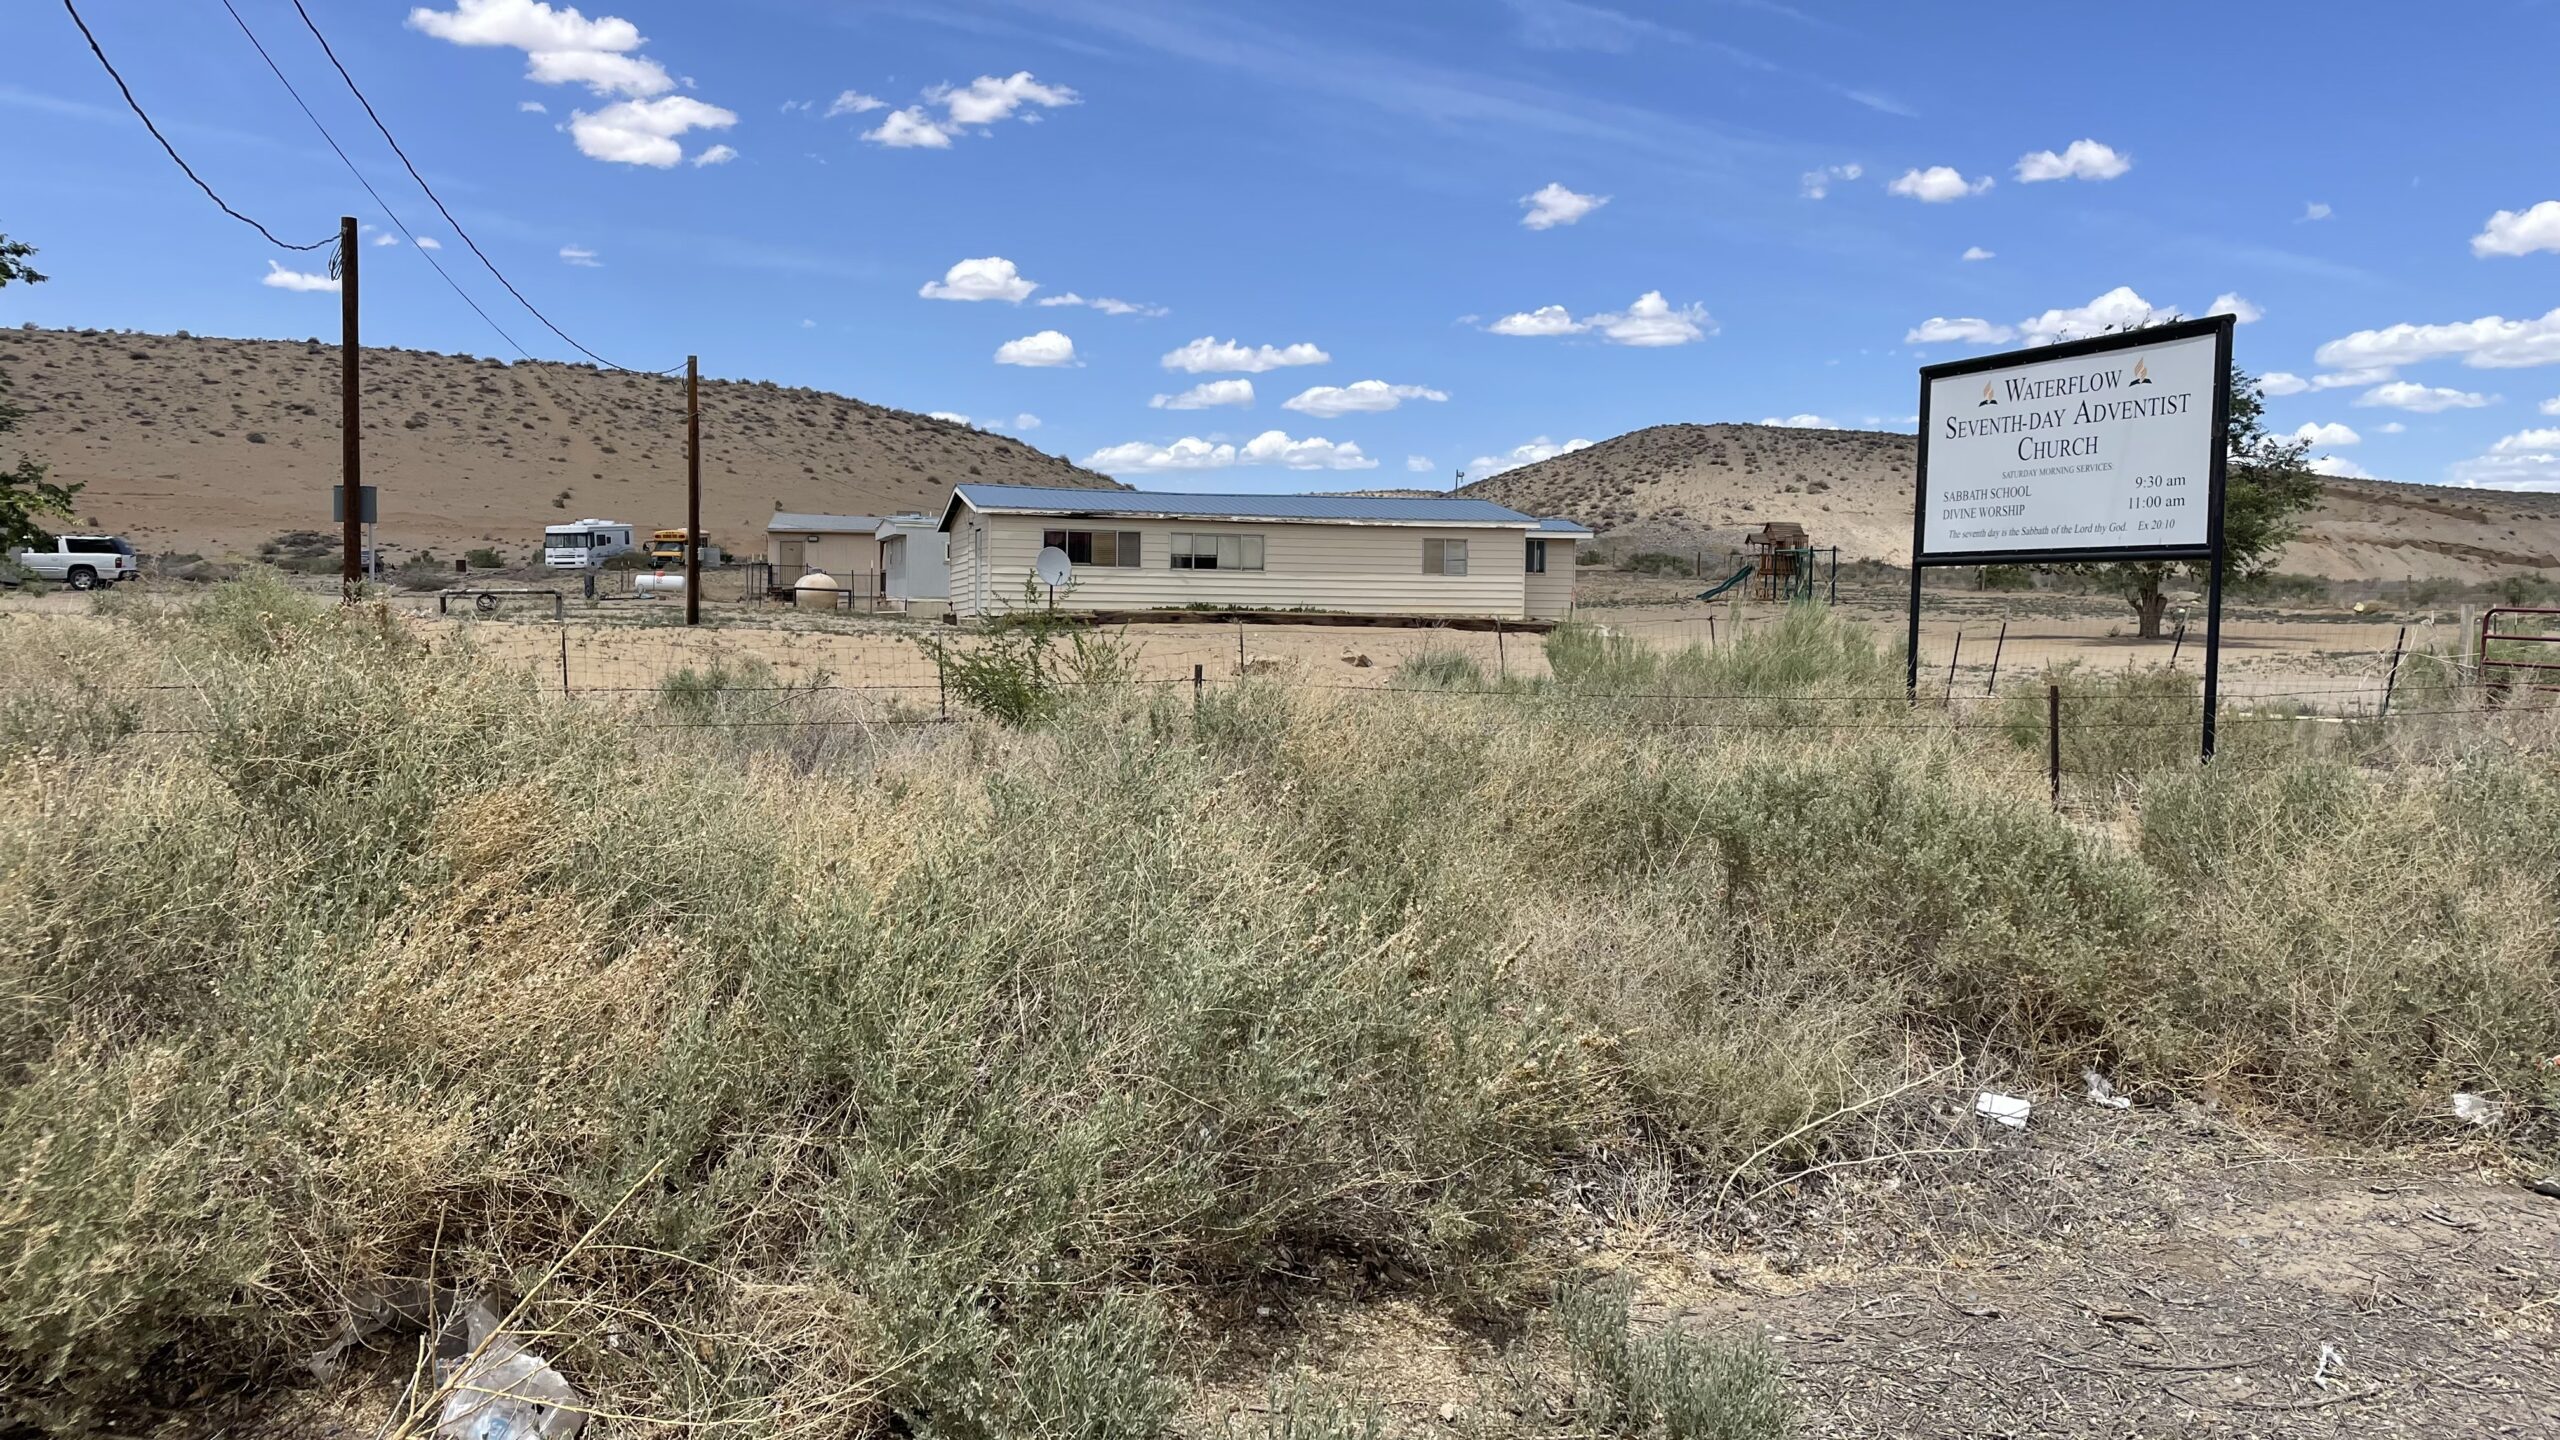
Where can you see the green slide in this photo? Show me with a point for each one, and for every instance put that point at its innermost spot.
(1734, 579)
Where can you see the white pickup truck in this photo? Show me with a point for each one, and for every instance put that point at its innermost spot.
(82, 562)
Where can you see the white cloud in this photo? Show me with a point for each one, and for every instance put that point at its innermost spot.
(1818, 183)
(1360, 397)
(2491, 342)
(1207, 395)
(1271, 447)
(386, 238)
(2282, 382)
(1800, 422)
(1106, 305)
(1652, 321)
(1554, 205)
(2527, 460)
(426, 242)
(1419, 464)
(2338, 467)
(644, 132)
(986, 100)
(2520, 232)
(716, 155)
(283, 279)
(532, 107)
(2524, 441)
(2422, 399)
(1545, 320)
(1542, 448)
(1976, 252)
(2313, 210)
(1937, 185)
(527, 25)
(580, 256)
(2079, 160)
(978, 105)
(808, 324)
(1026, 421)
(2393, 427)
(2351, 379)
(2233, 304)
(2118, 309)
(909, 129)
(637, 76)
(1045, 349)
(853, 102)
(2328, 434)
(952, 417)
(561, 46)
(1960, 330)
(1208, 354)
(992, 277)
(2550, 406)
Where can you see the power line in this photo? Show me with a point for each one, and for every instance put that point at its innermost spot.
(438, 200)
(145, 118)
(387, 212)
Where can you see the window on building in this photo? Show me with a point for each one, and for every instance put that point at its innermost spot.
(1537, 557)
(1216, 552)
(1444, 557)
(1114, 549)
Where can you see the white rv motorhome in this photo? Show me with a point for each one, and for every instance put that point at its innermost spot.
(585, 544)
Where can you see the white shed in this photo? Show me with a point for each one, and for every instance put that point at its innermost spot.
(1352, 554)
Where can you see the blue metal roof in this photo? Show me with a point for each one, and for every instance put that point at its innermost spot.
(1169, 505)
(1558, 525)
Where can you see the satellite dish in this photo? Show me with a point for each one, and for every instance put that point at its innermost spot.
(1053, 567)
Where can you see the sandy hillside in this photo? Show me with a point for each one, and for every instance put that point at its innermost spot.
(212, 446)
(1685, 486)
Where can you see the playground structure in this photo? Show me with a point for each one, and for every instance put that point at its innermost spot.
(1788, 567)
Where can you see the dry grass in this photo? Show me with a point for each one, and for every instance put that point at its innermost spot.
(971, 1070)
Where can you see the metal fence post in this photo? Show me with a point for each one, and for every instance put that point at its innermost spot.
(941, 688)
(1501, 659)
(1199, 682)
(1997, 646)
(1952, 657)
(2053, 741)
(564, 657)
(2391, 683)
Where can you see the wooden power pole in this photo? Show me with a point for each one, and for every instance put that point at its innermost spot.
(350, 418)
(692, 490)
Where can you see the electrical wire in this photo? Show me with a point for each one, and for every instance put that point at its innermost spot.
(139, 113)
(438, 201)
(388, 213)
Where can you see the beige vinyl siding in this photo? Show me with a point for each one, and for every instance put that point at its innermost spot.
(840, 555)
(964, 563)
(1550, 596)
(1372, 569)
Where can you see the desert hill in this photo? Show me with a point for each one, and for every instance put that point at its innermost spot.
(1681, 487)
(192, 444)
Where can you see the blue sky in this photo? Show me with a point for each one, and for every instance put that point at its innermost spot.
(1424, 236)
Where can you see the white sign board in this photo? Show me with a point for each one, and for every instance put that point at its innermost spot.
(2112, 449)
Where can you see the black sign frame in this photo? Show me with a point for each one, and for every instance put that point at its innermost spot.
(2219, 329)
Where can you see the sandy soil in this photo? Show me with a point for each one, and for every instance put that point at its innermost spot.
(2149, 1273)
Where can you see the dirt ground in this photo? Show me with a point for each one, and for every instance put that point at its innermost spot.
(2159, 1272)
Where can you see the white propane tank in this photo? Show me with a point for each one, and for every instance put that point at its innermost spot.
(657, 583)
(817, 590)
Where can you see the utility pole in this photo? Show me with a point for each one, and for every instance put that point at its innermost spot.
(692, 490)
(350, 420)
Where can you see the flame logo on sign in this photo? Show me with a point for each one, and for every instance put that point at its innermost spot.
(1987, 397)
(2141, 373)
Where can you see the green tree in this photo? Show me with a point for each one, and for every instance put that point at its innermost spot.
(25, 495)
(2267, 486)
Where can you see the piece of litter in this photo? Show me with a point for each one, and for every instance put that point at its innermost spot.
(2328, 1356)
(2009, 1110)
(2478, 1109)
(498, 1388)
(2102, 1093)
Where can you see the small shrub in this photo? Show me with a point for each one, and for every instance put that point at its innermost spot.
(2004, 578)
(1672, 1384)
(483, 558)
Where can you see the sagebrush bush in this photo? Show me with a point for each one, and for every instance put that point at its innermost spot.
(949, 1070)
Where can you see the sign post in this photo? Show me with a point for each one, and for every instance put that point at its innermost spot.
(2107, 449)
